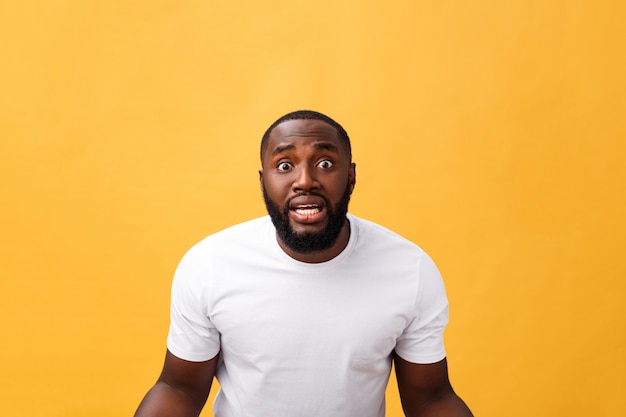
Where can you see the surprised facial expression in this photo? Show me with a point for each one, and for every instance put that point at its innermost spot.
(307, 179)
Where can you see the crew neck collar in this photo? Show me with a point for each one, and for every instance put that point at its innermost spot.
(345, 253)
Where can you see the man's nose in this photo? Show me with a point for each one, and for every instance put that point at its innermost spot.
(305, 179)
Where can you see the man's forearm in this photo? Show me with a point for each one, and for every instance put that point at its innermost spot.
(450, 405)
(165, 401)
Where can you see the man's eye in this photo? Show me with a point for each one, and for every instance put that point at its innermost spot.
(284, 166)
(325, 164)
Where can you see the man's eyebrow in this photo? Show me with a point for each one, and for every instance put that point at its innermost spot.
(282, 148)
(326, 146)
(319, 145)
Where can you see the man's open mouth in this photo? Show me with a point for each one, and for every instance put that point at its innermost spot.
(307, 210)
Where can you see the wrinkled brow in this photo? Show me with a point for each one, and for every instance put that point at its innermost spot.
(283, 148)
(319, 145)
(326, 146)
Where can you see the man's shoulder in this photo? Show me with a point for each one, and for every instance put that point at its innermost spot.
(253, 225)
(370, 230)
(248, 228)
(245, 233)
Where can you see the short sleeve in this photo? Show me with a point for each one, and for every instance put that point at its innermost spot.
(192, 335)
(422, 340)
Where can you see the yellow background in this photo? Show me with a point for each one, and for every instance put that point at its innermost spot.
(492, 133)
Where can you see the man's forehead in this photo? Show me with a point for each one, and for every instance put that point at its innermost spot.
(298, 131)
(303, 128)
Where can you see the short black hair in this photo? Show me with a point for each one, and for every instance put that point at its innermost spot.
(308, 115)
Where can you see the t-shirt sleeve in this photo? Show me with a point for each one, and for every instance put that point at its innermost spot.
(422, 340)
(192, 336)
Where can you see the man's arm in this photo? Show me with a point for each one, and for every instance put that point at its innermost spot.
(181, 390)
(425, 390)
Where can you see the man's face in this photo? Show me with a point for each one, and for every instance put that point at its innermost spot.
(307, 179)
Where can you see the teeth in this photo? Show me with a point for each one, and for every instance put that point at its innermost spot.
(307, 211)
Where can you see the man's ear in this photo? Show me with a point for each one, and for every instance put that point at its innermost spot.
(352, 176)
(261, 178)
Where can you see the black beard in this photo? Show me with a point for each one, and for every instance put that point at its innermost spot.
(312, 242)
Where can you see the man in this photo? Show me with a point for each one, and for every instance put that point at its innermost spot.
(300, 314)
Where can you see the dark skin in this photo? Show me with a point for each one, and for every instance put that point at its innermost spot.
(181, 390)
(306, 157)
(302, 157)
(425, 390)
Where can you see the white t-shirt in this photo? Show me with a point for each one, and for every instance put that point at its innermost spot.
(306, 340)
